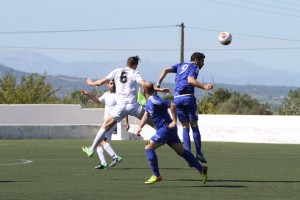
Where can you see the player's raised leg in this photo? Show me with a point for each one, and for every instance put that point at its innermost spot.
(189, 157)
(109, 122)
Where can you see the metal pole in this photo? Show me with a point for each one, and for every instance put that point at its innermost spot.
(182, 43)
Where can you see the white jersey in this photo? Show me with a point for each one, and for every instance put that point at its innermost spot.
(109, 99)
(126, 80)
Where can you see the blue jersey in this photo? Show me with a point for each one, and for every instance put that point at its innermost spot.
(158, 110)
(183, 71)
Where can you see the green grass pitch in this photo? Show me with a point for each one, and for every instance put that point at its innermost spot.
(60, 170)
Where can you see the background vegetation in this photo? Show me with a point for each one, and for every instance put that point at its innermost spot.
(34, 89)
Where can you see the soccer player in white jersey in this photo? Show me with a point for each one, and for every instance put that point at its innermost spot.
(126, 80)
(108, 98)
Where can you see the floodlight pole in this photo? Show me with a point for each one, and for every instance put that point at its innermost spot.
(182, 43)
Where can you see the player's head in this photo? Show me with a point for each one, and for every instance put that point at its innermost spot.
(148, 88)
(133, 62)
(198, 59)
(111, 85)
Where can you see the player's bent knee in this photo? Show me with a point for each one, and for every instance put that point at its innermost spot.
(194, 123)
(178, 148)
(147, 145)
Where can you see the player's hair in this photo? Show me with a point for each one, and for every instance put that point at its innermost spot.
(197, 55)
(113, 80)
(133, 61)
(151, 89)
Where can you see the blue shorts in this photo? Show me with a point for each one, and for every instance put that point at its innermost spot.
(166, 135)
(186, 107)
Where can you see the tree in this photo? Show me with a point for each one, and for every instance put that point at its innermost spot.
(206, 106)
(211, 104)
(291, 104)
(222, 101)
(31, 90)
(8, 89)
(244, 105)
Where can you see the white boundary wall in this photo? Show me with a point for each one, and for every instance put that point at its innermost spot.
(71, 121)
(245, 128)
(19, 121)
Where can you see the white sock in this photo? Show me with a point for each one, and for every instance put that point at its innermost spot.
(109, 150)
(100, 152)
(99, 137)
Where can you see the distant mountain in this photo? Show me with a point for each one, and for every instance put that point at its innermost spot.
(235, 72)
(240, 72)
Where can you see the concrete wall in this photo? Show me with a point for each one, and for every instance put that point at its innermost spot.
(251, 128)
(71, 121)
(49, 114)
(47, 131)
(28, 121)
(48, 121)
(245, 128)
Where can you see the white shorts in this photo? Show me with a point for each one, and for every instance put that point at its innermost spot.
(120, 111)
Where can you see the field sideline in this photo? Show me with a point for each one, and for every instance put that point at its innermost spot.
(59, 170)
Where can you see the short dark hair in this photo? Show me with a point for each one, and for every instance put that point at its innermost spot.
(149, 88)
(113, 80)
(197, 55)
(133, 60)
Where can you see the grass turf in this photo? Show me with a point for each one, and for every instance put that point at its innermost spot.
(60, 170)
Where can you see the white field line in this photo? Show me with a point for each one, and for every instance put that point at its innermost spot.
(23, 162)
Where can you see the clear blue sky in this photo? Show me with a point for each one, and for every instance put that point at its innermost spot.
(264, 32)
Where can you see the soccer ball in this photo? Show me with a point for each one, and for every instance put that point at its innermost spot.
(225, 38)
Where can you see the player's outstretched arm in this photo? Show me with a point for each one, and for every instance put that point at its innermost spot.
(157, 89)
(174, 115)
(194, 82)
(142, 123)
(163, 90)
(98, 82)
(163, 75)
(91, 96)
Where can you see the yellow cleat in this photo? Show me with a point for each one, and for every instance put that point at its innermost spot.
(204, 174)
(87, 151)
(153, 179)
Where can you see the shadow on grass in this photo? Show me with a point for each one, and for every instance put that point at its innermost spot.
(200, 186)
(254, 181)
(15, 181)
(239, 181)
(135, 168)
(206, 185)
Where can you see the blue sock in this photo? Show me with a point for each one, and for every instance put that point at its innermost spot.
(189, 157)
(197, 139)
(152, 158)
(186, 138)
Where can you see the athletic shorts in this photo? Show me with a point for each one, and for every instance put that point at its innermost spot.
(166, 135)
(186, 107)
(120, 111)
